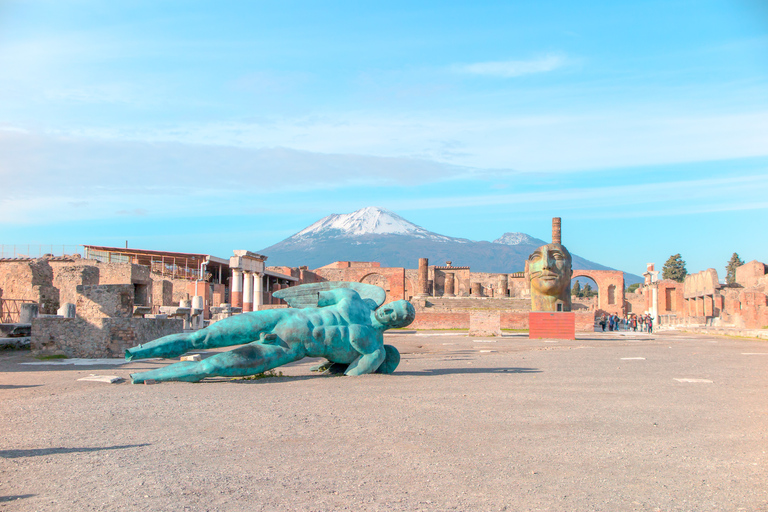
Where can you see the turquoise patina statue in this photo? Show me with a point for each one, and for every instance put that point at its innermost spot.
(344, 324)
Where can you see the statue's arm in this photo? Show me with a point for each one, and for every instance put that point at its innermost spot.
(369, 343)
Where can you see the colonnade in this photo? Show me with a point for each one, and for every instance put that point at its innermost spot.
(247, 289)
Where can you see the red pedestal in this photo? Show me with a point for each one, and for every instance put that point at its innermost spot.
(556, 326)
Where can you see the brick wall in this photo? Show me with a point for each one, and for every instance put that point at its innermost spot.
(584, 321)
(392, 280)
(560, 326)
(97, 338)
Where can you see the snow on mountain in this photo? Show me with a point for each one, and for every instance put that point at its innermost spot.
(519, 239)
(366, 221)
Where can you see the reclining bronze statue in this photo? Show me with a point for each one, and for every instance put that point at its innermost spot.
(343, 322)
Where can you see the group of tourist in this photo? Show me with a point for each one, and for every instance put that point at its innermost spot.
(631, 322)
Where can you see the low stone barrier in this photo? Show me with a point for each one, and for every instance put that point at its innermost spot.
(97, 338)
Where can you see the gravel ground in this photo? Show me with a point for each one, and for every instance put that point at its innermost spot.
(600, 423)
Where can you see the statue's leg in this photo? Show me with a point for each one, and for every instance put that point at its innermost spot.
(235, 330)
(250, 359)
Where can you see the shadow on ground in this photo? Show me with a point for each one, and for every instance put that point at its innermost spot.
(36, 452)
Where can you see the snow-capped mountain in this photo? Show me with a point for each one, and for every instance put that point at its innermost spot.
(519, 239)
(367, 221)
(377, 234)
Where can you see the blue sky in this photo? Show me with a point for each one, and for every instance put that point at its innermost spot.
(213, 126)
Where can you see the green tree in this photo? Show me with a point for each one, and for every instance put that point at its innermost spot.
(674, 269)
(587, 291)
(633, 287)
(576, 289)
(730, 269)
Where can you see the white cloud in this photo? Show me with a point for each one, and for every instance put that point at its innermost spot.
(513, 68)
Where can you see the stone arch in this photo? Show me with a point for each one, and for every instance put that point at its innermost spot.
(610, 289)
(376, 279)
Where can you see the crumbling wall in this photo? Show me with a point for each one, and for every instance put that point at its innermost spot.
(750, 274)
(162, 293)
(104, 301)
(67, 276)
(30, 280)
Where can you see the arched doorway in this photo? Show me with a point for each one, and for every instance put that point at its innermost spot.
(610, 289)
(584, 294)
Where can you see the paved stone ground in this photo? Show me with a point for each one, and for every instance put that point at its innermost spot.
(606, 422)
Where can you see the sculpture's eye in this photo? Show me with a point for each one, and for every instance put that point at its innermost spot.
(558, 256)
(534, 257)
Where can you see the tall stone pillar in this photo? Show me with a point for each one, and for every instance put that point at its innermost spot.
(248, 292)
(556, 230)
(258, 291)
(477, 289)
(503, 287)
(448, 288)
(423, 277)
(236, 288)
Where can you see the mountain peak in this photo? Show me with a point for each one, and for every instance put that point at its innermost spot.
(519, 239)
(366, 221)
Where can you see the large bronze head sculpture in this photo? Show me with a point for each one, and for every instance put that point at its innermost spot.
(549, 270)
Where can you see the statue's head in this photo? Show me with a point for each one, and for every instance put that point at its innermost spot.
(549, 268)
(396, 314)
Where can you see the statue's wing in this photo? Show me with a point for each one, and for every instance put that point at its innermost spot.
(305, 295)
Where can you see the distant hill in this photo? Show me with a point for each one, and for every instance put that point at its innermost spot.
(376, 234)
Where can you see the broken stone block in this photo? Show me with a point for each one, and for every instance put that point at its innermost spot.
(191, 357)
(67, 310)
(109, 379)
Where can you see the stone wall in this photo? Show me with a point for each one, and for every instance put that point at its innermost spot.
(68, 276)
(635, 302)
(162, 293)
(104, 301)
(751, 274)
(97, 338)
(30, 280)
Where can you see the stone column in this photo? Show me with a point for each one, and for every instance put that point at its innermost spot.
(477, 289)
(28, 311)
(423, 289)
(258, 291)
(247, 291)
(236, 288)
(503, 287)
(448, 287)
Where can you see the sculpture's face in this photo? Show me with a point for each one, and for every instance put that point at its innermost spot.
(550, 269)
(396, 314)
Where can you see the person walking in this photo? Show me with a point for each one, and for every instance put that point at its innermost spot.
(602, 322)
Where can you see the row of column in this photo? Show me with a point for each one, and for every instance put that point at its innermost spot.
(247, 289)
(701, 306)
